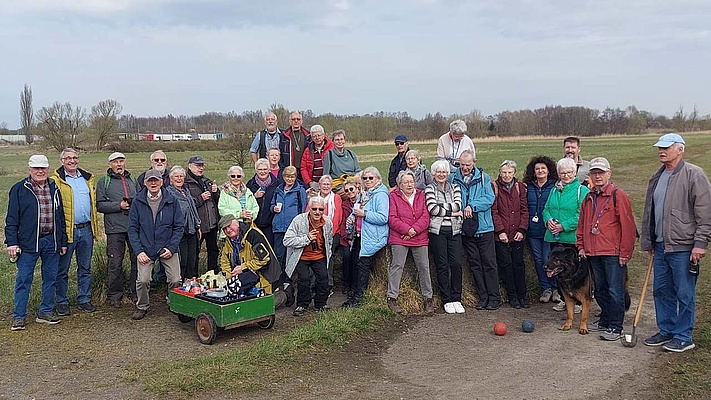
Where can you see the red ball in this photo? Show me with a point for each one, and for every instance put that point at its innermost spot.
(500, 328)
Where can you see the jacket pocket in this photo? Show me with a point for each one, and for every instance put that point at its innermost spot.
(682, 227)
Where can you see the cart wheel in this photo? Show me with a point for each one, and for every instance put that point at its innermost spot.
(184, 318)
(206, 328)
(268, 323)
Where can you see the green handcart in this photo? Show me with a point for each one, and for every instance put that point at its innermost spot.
(210, 314)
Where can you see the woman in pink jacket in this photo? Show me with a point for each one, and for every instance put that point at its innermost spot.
(409, 221)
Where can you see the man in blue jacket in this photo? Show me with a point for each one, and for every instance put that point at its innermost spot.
(34, 228)
(155, 226)
(478, 230)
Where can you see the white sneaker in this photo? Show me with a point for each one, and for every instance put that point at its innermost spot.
(458, 307)
(449, 308)
(556, 297)
(578, 308)
(560, 306)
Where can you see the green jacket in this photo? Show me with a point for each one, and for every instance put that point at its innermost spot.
(565, 207)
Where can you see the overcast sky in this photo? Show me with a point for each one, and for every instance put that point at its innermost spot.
(355, 57)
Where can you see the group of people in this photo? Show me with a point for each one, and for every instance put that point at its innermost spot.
(309, 198)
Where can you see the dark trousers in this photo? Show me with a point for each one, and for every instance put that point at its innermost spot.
(446, 250)
(116, 244)
(350, 261)
(481, 253)
(318, 269)
(188, 249)
(509, 258)
(213, 251)
(609, 289)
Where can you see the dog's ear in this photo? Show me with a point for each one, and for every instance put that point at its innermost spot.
(571, 253)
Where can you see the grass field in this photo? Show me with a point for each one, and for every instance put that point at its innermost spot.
(633, 160)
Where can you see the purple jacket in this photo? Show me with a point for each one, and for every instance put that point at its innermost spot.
(403, 216)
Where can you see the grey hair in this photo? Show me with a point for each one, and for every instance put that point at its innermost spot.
(67, 150)
(317, 199)
(415, 153)
(458, 126)
(325, 178)
(235, 168)
(156, 152)
(339, 132)
(261, 161)
(317, 128)
(468, 152)
(402, 174)
(680, 146)
(440, 165)
(374, 171)
(177, 169)
(269, 114)
(274, 148)
(508, 163)
(565, 162)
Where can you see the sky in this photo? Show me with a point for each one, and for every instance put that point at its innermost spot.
(187, 57)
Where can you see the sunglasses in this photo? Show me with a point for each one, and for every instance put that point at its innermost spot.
(296, 119)
(317, 209)
(235, 176)
(350, 189)
(368, 178)
(399, 143)
(159, 160)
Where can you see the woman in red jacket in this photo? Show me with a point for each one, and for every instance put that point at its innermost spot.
(409, 222)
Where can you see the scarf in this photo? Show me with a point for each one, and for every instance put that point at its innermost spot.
(264, 184)
(560, 185)
(236, 192)
(330, 205)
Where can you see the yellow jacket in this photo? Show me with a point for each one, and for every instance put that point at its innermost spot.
(65, 190)
(256, 254)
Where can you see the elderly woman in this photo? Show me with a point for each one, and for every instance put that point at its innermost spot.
(452, 144)
(191, 221)
(510, 214)
(562, 209)
(274, 156)
(262, 185)
(444, 204)
(370, 221)
(350, 258)
(540, 177)
(289, 200)
(339, 162)
(423, 177)
(408, 221)
(236, 198)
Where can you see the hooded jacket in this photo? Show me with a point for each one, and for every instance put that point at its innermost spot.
(479, 195)
(374, 230)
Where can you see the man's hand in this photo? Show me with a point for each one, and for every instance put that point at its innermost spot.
(697, 254)
(468, 212)
(206, 195)
(624, 261)
(62, 251)
(236, 270)
(165, 254)
(143, 258)
(124, 205)
(581, 253)
(12, 251)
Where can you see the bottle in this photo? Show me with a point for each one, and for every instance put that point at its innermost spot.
(556, 236)
(17, 255)
(694, 268)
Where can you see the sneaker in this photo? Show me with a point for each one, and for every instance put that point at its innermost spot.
(393, 306)
(597, 327)
(88, 307)
(458, 307)
(611, 335)
(678, 346)
(63, 310)
(47, 319)
(480, 305)
(560, 306)
(556, 297)
(299, 311)
(514, 303)
(449, 308)
(578, 309)
(524, 303)
(139, 314)
(429, 306)
(18, 324)
(657, 339)
(546, 296)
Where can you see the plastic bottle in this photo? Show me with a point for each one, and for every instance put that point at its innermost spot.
(556, 236)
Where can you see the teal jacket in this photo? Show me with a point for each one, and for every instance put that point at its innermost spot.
(479, 195)
(565, 207)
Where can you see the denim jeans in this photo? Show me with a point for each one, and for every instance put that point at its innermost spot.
(83, 246)
(26, 264)
(674, 293)
(609, 289)
(540, 250)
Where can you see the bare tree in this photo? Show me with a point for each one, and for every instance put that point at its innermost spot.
(104, 121)
(26, 114)
(61, 124)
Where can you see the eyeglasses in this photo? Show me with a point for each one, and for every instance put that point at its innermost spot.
(68, 158)
(368, 178)
(159, 160)
(317, 209)
(567, 173)
(235, 176)
(350, 189)
(399, 143)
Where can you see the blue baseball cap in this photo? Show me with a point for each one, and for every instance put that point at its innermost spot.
(401, 138)
(196, 160)
(669, 139)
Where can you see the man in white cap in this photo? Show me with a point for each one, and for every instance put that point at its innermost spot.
(34, 228)
(114, 193)
(676, 230)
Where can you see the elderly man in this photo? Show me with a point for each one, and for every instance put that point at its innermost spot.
(312, 160)
(571, 149)
(206, 195)
(478, 229)
(398, 163)
(155, 228)
(265, 139)
(308, 241)
(605, 235)
(114, 194)
(676, 229)
(294, 141)
(34, 228)
(78, 190)
(159, 161)
(452, 144)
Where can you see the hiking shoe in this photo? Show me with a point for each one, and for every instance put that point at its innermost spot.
(449, 308)
(657, 339)
(88, 307)
(597, 327)
(63, 310)
(114, 303)
(546, 296)
(611, 335)
(560, 306)
(524, 303)
(299, 311)
(139, 314)
(350, 303)
(18, 324)
(480, 305)
(578, 309)
(493, 306)
(514, 303)
(323, 309)
(556, 297)
(393, 306)
(678, 345)
(458, 307)
(429, 306)
(50, 319)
